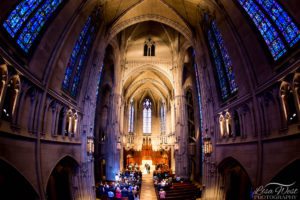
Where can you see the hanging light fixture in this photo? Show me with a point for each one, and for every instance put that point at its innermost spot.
(207, 146)
(119, 144)
(90, 145)
(176, 144)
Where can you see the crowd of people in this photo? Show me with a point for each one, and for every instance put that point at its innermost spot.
(163, 179)
(127, 186)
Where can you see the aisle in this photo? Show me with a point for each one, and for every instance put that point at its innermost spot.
(148, 191)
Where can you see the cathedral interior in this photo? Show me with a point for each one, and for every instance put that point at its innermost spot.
(208, 90)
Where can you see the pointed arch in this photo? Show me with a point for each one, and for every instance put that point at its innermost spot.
(14, 185)
(235, 178)
(61, 182)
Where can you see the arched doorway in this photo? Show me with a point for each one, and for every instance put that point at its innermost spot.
(290, 175)
(236, 182)
(13, 185)
(60, 185)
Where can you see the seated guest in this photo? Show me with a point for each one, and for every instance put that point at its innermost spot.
(162, 194)
(124, 194)
(134, 191)
(130, 195)
(106, 189)
(163, 183)
(100, 190)
(110, 195)
(118, 194)
(136, 197)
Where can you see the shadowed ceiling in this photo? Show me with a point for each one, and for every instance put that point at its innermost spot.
(188, 10)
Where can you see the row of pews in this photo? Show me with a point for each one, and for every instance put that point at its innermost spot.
(182, 191)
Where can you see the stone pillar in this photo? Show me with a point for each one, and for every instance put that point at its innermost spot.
(113, 154)
(172, 159)
(181, 156)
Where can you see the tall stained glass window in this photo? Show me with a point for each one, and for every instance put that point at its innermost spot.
(222, 61)
(163, 118)
(79, 54)
(131, 117)
(198, 91)
(99, 81)
(147, 116)
(26, 21)
(190, 116)
(274, 24)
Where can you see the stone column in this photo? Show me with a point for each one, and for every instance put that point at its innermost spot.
(181, 156)
(113, 154)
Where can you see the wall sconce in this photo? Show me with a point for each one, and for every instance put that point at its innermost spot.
(119, 147)
(207, 146)
(176, 145)
(90, 145)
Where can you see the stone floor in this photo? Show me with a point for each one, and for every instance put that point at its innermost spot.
(147, 189)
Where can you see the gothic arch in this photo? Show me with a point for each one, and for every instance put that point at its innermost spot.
(60, 181)
(235, 178)
(118, 27)
(288, 174)
(13, 184)
(149, 67)
(28, 107)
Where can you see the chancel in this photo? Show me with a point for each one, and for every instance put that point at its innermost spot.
(149, 99)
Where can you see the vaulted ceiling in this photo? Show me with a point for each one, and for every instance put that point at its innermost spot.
(187, 10)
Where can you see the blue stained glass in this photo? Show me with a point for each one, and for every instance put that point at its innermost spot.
(98, 82)
(131, 117)
(226, 59)
(199, 94)
(74, 55)
(218, 64)
(79, 56)
(268, 32)
(284, 23)
(80, 64)
(36, 23)
(19, 15)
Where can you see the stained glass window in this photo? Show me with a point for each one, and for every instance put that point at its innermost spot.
(163, 117)
(190, 116)
(26, 21)
(74, 55)
(226, 60)
(131, 117)
(147, 116)
(274, 24)
(218, 65)
(79, 55)
(198, 92)
(222, 61)
(79, 68)
(99, 81)
(19, 15)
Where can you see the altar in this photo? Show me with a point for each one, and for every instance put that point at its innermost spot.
(143, 168)
(146, 156)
